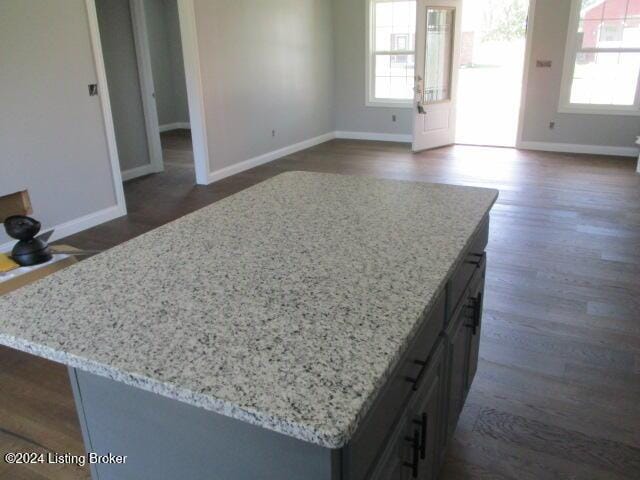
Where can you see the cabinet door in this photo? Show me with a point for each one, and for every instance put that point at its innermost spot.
(425, 413)
(414, 451)
(401, 459)
(474, 323)
(458, 356)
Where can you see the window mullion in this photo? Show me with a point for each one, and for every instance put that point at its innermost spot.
(636, 102)
(394, 52)
(607, 50)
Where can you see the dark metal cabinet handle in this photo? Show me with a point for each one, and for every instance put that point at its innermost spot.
(476, 306)
(476, 259)
(423, 438)
(416, 380)
(477, 312)
(415, 461)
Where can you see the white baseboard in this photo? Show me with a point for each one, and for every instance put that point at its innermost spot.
(576, 148)
(175, 126)
(379, 137)
(78, 224)
(268, 157)
(138, 172)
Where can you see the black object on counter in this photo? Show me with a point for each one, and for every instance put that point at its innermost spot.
(29, 250)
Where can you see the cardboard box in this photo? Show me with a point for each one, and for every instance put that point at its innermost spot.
(17, 203)
(22, 276)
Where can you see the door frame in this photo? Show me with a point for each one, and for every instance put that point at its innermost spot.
(528, 54)
(195, 90)
(147, 85)
(528, 57)
(105, 103)
(195, 93)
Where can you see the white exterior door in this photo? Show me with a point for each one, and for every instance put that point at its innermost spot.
(437, 59)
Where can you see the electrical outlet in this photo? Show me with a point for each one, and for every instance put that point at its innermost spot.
(393, 118)
(552, 125)
(273, 133)
(93, 89)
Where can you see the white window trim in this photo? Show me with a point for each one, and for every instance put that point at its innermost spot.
(370, 100)
(571, 51)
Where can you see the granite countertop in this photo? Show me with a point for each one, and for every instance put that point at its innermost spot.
(286, 305)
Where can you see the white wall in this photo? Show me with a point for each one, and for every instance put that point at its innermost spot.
(543, 91)
(119, 52)
(265, 66)
(52, 137)
(165, 48)
(351, 113)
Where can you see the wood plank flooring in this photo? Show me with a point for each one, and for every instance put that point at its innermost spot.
(557, 394)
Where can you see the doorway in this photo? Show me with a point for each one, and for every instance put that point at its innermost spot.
(147, 64)
(156, 24)
(490, 78)
(142, 54)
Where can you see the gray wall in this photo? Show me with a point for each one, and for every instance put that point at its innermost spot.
(52, 138)
(549, 39)
(265, 66)
(543, 92)
(351, 113)
(163, 27)
(118, 49)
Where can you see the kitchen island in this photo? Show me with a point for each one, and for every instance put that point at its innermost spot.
(314, 326)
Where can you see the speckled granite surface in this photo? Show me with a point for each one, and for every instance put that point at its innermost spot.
(285, 306)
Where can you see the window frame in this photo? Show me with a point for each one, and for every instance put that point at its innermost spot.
(571, 52)
(370, 98)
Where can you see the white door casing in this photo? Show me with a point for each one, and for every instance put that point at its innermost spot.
(438, 34)
(147, 88)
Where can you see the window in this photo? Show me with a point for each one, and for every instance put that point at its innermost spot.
(391, 59)
(602, 65)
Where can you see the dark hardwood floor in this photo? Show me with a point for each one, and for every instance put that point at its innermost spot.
(557, 394)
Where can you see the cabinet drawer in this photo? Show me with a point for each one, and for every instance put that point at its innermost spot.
(374, 433)
(472, 260)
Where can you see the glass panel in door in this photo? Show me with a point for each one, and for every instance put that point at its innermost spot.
(438, 54)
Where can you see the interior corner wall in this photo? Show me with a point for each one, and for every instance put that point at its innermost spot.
(52, 135)
(351, 112)
(167, 64)
(267, 75)
(543, 91)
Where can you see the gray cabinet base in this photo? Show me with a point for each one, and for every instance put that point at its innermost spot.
(167, 439)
